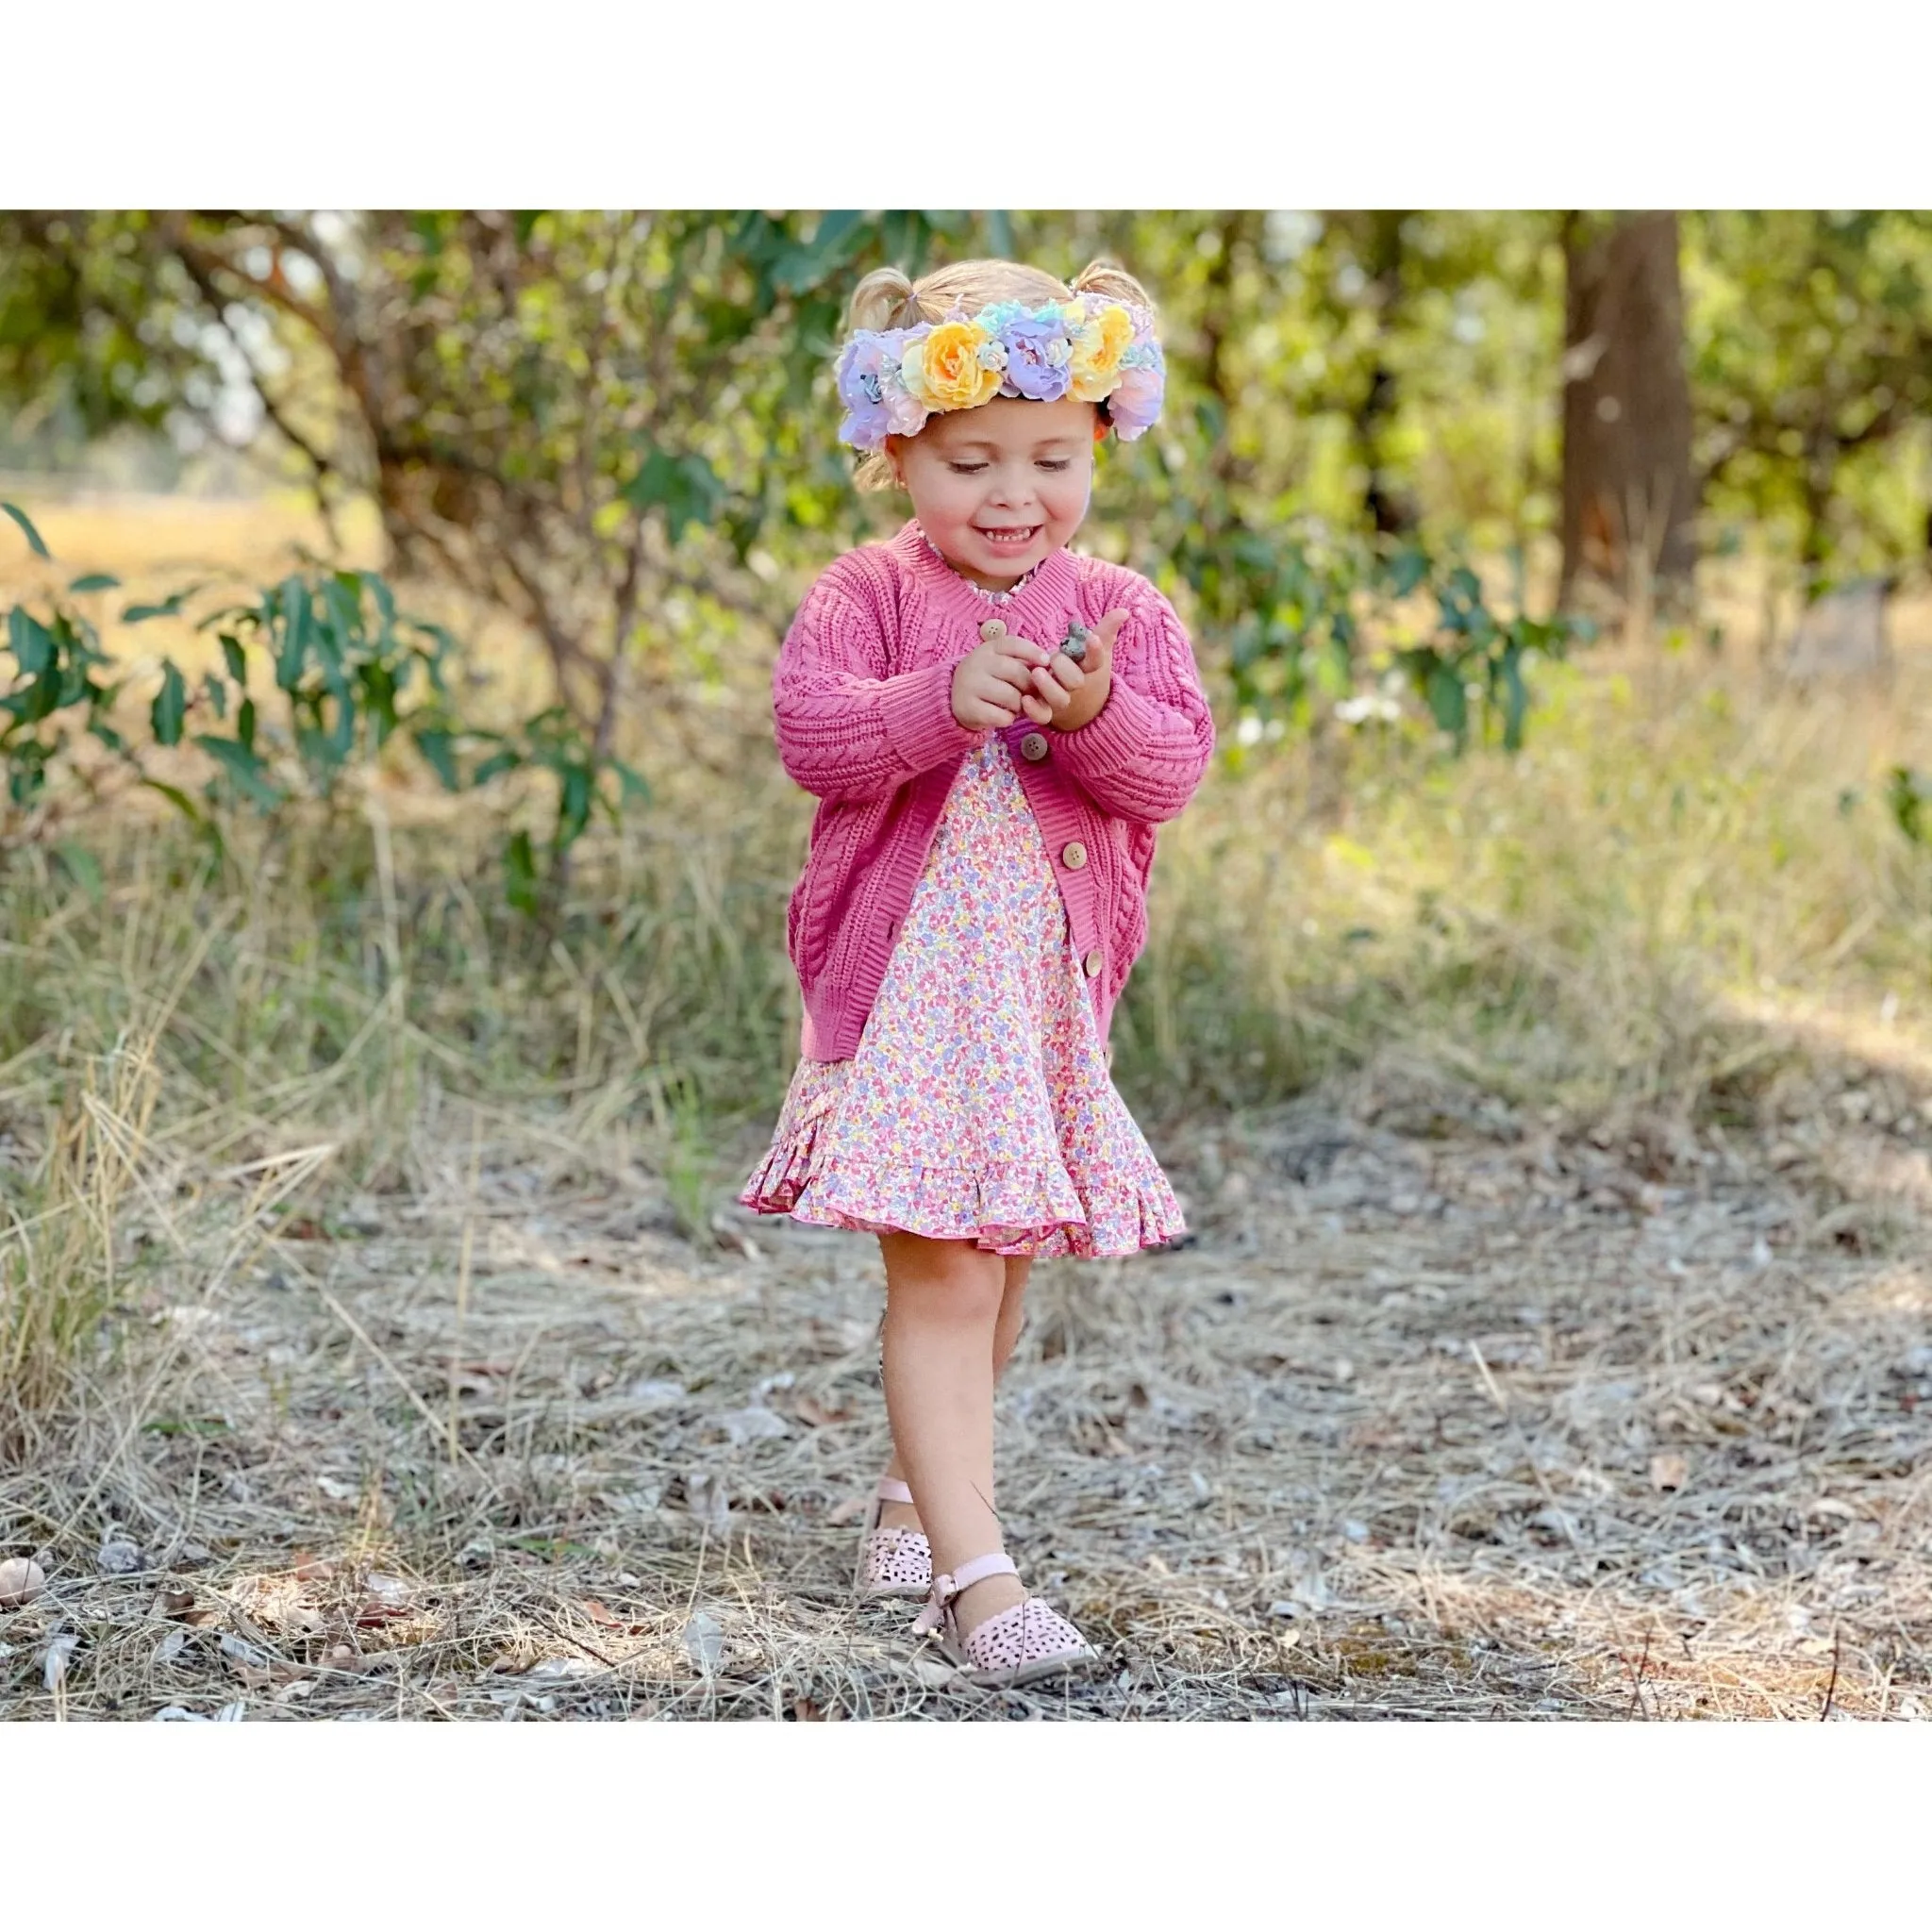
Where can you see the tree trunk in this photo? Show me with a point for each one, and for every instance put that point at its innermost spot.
(1390, 509)
(1628, 500)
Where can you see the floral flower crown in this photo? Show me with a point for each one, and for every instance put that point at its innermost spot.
(890, 380)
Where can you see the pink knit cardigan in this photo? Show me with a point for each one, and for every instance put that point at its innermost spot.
(864, 698)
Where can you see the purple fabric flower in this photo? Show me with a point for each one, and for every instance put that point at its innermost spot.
(876, 400)
(1134, 406)
(1038, 363)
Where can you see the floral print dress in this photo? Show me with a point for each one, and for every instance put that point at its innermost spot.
(978, 1106)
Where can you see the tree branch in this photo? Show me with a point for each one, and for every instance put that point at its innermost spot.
(319, 462)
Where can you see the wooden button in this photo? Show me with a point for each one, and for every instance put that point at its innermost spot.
(1033, 747)
(1073, 856)
(990, 629)
(1091, 965)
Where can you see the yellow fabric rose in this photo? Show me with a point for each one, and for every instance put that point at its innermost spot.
(944, 371)
(1097, 351)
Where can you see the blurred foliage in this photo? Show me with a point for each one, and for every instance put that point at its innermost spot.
(1812, 357)
(619, 426)
(1908, 797)
(577, 417)
(342, 672)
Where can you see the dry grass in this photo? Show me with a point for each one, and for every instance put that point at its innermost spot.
(1447, 1413)
(1562, 1349)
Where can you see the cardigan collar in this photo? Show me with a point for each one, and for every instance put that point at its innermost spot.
(1043, 598)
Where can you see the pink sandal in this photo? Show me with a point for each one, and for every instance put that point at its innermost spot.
(1016, 1646)
(893, 1561)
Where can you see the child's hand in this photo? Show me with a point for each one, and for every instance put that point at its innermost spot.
(989, 681)
(1068, 696)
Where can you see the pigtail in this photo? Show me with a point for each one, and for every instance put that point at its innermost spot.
(1110, 282)
(885, 299)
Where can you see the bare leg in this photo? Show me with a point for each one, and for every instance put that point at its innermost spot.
(943, 1301)
(1005, 1334)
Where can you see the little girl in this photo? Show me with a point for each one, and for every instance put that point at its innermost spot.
(993, 725)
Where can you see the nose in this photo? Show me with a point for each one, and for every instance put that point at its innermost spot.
(1013, 487)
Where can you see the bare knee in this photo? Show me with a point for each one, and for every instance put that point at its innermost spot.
(950, 1283)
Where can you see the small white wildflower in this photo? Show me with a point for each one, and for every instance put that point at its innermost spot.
(1366, 704)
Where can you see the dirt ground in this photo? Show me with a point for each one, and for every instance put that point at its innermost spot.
(1441, 1412)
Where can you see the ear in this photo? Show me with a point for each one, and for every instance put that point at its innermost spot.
(892, 444)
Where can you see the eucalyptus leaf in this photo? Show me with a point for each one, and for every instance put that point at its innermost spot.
(34, 540)
(520, 874)
(168, 607)
(244, 769)
(170, 706)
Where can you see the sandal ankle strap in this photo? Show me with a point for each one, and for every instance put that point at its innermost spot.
(938, 1606)
(997, 1564)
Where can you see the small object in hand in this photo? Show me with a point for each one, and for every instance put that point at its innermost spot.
(1074, 645)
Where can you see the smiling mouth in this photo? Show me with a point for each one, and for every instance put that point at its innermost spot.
(1013, 540)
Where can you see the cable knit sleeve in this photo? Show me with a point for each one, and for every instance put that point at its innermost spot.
(1142, 756)
(846, 730)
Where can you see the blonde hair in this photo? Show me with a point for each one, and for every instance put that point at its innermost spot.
(886, 299)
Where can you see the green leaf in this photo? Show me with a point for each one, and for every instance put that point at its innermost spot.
(247, 772)
(495, 766)
(292, 595)
(236, 660)
(245, 726)
(216, 691)
(94, 580)
(804, 266)
(168, 607)
(177, 798)
(439, 750)
(632, 786)
(25, 523)
(378, 685)
(1515, 700)
(687, 488)
(1447, 700)
(82, 868)
(1906, 796)
(170, 708)
(1406, 569)
(30, 640)
(575, 795)
(520, 874)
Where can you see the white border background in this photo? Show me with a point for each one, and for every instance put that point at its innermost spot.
(1204, 103)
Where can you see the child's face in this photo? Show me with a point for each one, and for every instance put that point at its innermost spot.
(1000, 487)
